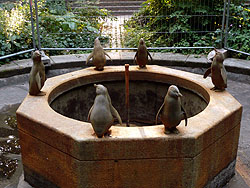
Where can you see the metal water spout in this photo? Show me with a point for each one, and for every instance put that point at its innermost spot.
(127, 92)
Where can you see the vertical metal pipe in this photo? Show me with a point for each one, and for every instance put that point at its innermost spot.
(223, 24)
(32, 25)
(127, 92)
(37, 26)
(227, 20)
(67, 4)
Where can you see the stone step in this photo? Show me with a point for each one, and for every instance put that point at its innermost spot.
(113, 8)
(117, 7)
(119, 0)
(124, 12)
(120, 3)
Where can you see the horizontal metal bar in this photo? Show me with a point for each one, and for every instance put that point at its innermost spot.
(182, 47)
(82, 33)
(162, 16)
(15, 54)
(238, 51)
(151, 48)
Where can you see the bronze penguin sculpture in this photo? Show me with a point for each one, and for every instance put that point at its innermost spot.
(102, 113)
(141, 56)
(37, 75)
(171, 110)
(98, 56)
(218, 72)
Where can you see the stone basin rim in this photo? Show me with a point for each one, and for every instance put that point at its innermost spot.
(108, 76)
(52, 93)
(119, 76)
(53, 84)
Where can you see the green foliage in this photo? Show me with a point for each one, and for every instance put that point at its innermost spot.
(239, 29)
(15, 31)
(185, 24)
(57, 7)
(71, 30)
(59, 26)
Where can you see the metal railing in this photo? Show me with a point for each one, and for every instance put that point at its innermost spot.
(112, 29)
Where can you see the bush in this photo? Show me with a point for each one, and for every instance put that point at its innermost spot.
(239, 29)
(59, 26)
(15, 29)
(181, 24)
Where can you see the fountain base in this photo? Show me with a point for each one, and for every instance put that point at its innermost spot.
(63, 152)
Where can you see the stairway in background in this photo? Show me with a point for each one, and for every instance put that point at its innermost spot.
(119, 7)
(122, 10)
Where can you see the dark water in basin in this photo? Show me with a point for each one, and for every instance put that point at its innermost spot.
(145, 99)
(10, 154)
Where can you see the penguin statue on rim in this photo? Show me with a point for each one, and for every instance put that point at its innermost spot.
(171, 110)
(217, 71)
(141, 56)
(98, 56)
(102, 113)
(37, 75)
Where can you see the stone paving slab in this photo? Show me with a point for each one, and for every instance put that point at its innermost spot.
(10, 95)
(166, 59)
(237, 65)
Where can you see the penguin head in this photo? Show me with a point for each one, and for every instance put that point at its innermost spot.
(219, 57)
(97, 41)
(211, 55)
(141, 42)
(36, 56)
(100, 89)
(173, 91)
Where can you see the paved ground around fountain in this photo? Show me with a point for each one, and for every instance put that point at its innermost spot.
(14, 89)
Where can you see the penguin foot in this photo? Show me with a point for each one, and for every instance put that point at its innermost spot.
(99, 69)
(142, 67)
(99, 136)
(171, 131)
(216, 89)
(41, 93)
(108, 134)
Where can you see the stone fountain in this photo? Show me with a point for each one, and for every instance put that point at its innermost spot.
(59, 148)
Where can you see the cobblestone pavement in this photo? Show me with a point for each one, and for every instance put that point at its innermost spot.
(14, 89)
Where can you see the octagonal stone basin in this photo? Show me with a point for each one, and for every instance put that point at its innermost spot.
(59, 148)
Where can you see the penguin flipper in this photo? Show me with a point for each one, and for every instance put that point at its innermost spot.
(115, 114)
(88, 119)
(156, 118)
(42, 76)
(38, 81)
(150, 55)
(184, 114)
(224, 75)
(113, 110)
(89, 57)
(135, 57)
(208, 71)
(107, 55)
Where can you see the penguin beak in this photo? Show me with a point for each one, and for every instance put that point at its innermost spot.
(180, 95)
